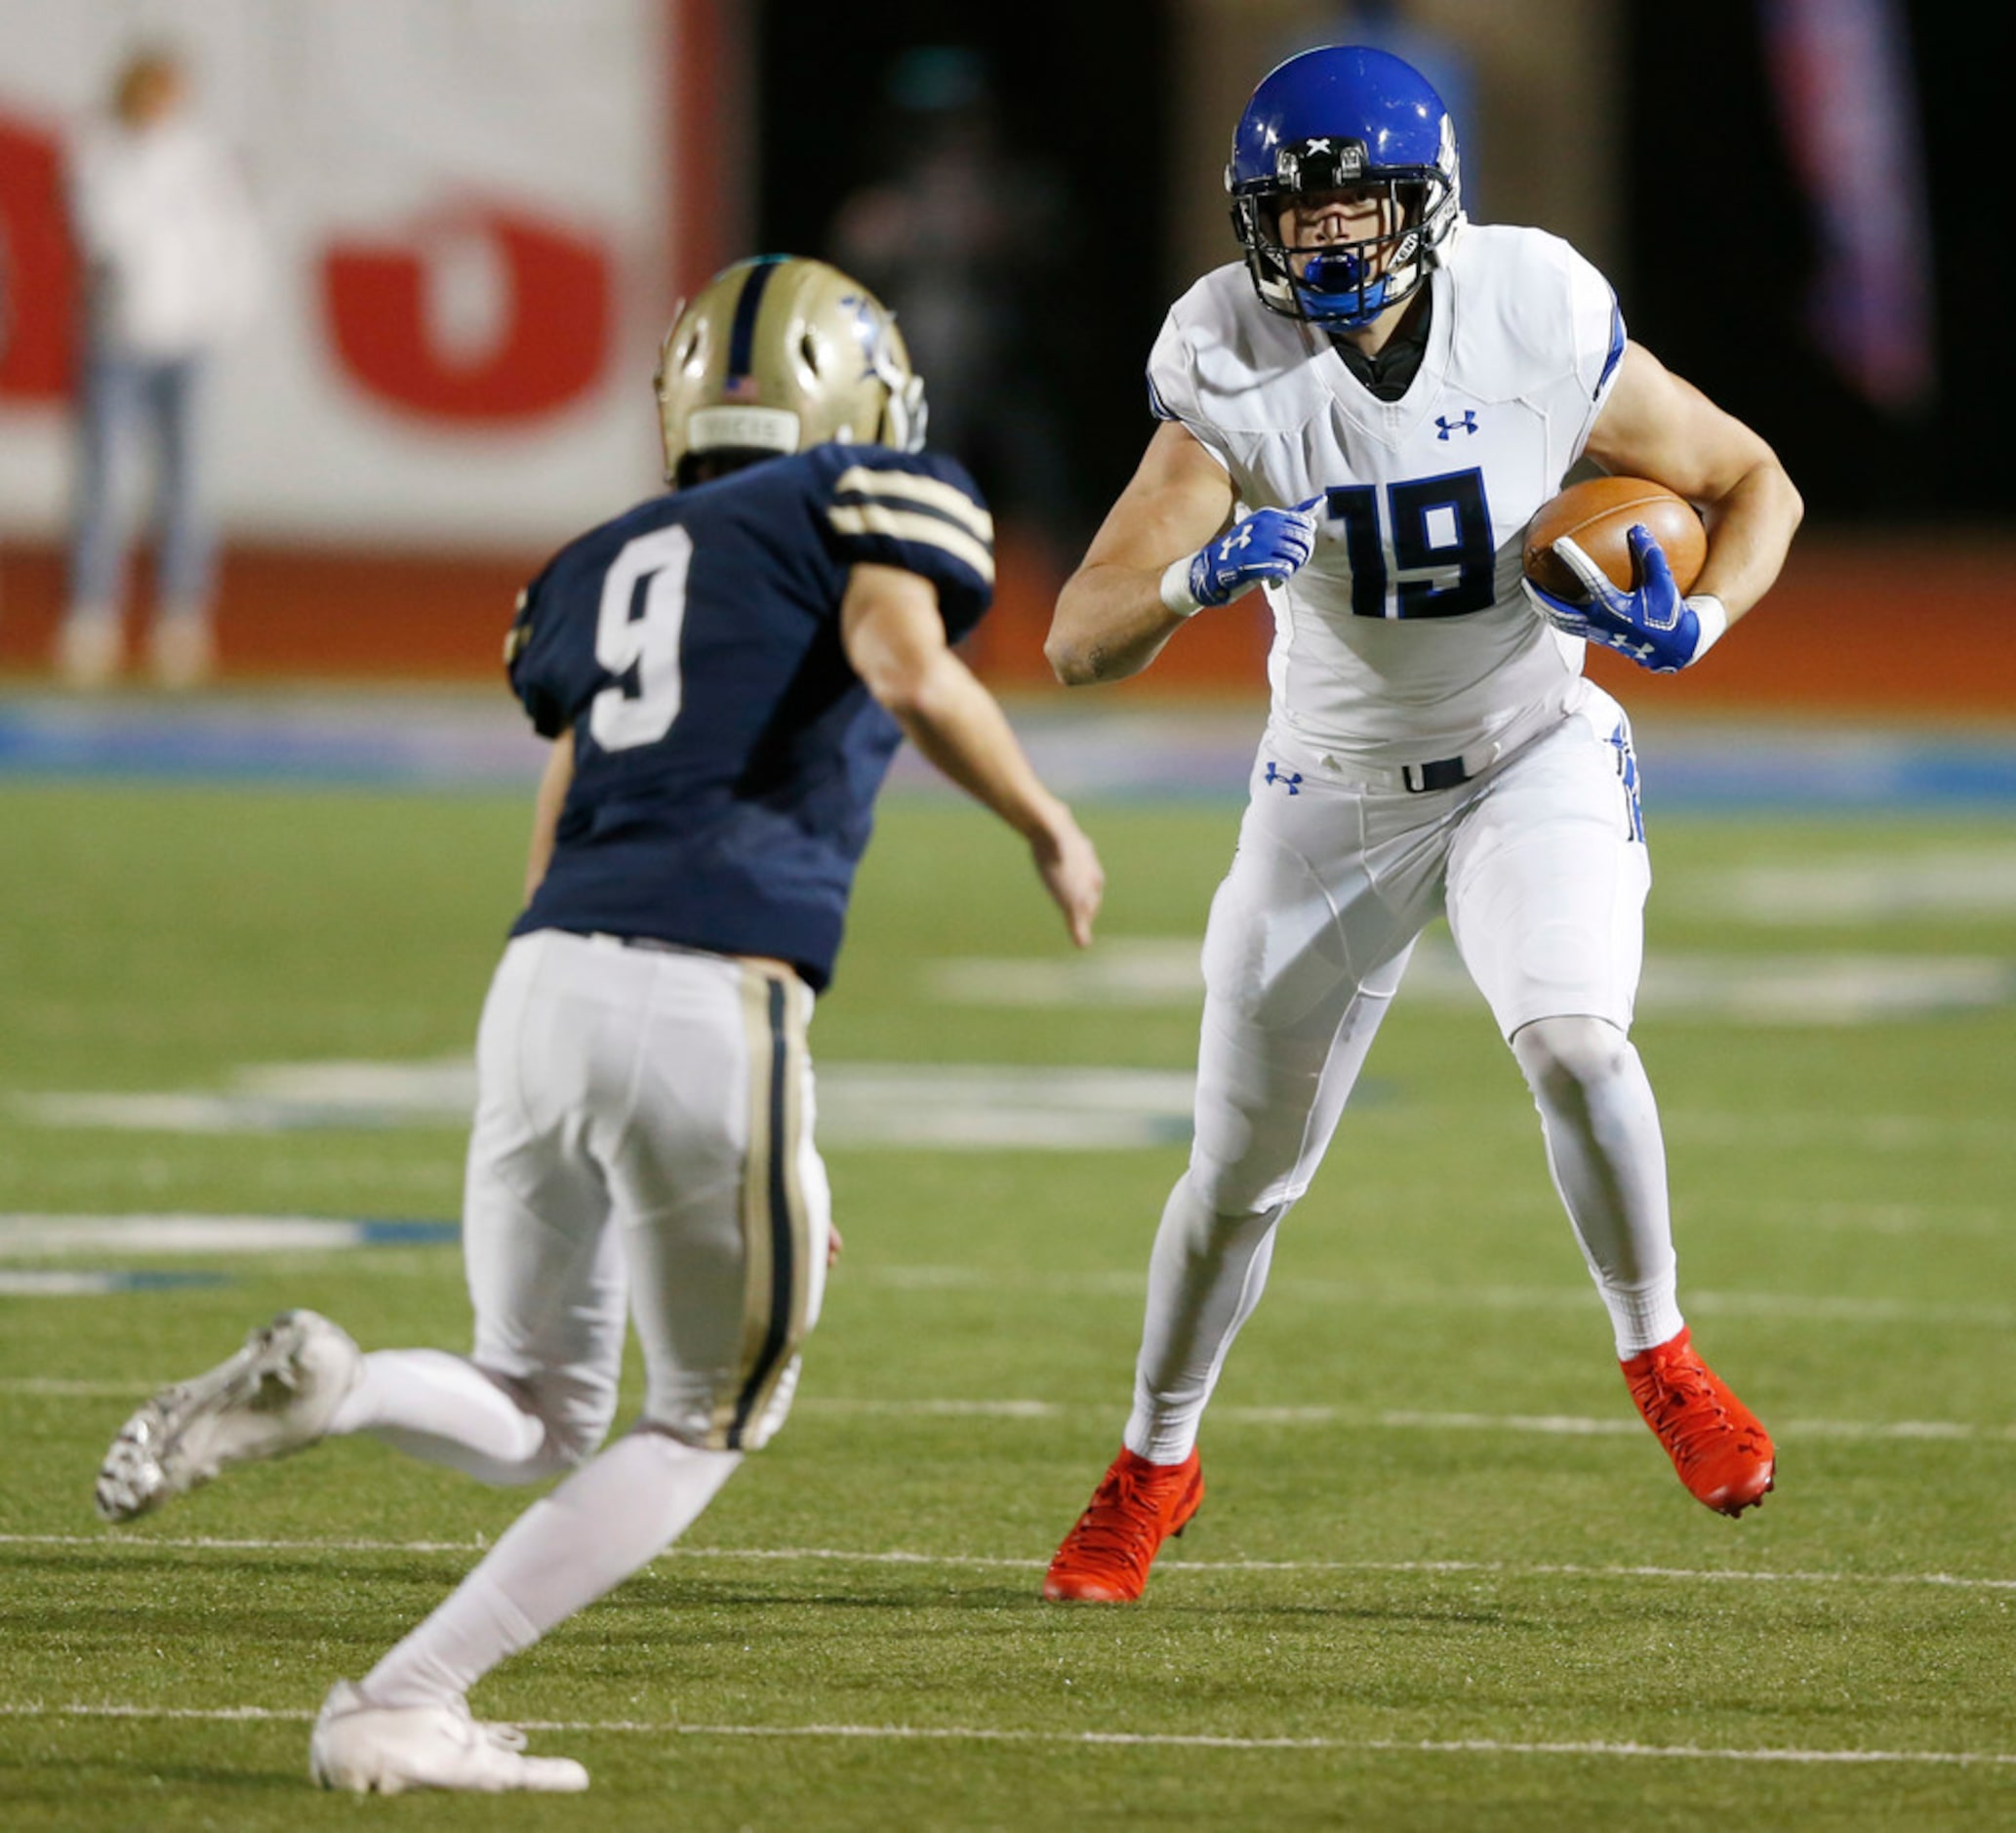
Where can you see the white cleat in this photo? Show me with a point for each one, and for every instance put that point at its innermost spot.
(276, 1395)
(385, 1750)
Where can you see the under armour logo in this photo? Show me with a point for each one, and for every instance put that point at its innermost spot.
(1468, 423)
(1292, 779)
(1240, 537)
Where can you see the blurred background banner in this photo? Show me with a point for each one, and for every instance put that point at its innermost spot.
(468, 208)
(481, 213)
(1843, 77)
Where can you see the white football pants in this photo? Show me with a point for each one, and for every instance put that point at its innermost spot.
(1540, 865)
(644, 1125)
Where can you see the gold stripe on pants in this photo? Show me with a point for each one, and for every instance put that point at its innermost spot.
(776, 1221)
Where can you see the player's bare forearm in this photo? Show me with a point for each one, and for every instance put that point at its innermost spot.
(1110, 623)
(1750, 532)
(551, 796)
(1111, 620)
(1656, 425)
(961, 729)
(896, 641)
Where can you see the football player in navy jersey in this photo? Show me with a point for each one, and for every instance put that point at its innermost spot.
(725, 673)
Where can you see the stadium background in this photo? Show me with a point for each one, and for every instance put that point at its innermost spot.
(483, 212)
(1444, 1579)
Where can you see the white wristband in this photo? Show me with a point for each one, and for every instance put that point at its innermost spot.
(1713, 615)
(1176, 597)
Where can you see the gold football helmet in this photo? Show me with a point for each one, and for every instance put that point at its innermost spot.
(777, 354)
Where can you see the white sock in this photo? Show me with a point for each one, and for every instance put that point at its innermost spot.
(1608, 1159)
(1204, 1277)
(444, 1409)
(612, 1518)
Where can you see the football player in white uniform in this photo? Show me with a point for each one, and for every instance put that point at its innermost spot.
(1360, 418)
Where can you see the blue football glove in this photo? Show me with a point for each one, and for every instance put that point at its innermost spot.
(1265, 548)
(1652, 623)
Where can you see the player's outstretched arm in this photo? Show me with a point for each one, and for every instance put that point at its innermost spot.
(551, 796)
(1113, 617)
(1657, 426)
(895, 639)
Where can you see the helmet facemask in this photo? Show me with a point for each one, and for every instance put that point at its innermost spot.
(1345, 285)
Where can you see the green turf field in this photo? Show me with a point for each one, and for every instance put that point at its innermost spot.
(1443, 1579)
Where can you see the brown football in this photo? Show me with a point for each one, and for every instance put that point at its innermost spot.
(1600, 513)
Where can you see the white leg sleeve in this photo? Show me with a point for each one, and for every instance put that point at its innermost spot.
(1608, 1159)
(1204, 1278)
(609, 1518)
(444, 1409)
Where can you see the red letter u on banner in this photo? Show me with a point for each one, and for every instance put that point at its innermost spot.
(551, 337)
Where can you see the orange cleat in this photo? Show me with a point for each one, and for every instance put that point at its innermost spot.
(1137, 1506)
(1723, 1455)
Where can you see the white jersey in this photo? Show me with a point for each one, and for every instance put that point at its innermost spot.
(1406, 635)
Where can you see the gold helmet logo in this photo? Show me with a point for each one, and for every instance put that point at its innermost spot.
(782, 354)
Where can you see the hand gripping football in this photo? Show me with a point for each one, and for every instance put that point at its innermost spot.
(1599, 514)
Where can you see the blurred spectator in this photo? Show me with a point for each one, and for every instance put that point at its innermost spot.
(966, 242)
(172, 271)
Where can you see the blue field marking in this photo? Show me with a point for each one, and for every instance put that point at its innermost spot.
(408, 1234)
(1826, 769)
(467, 739)
(395, 739)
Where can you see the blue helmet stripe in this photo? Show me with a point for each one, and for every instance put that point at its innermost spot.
(742, 336)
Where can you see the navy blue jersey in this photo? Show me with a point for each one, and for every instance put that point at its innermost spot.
(726, 756)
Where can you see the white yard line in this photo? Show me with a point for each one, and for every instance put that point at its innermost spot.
(1038, 1106)
(1373, 1294)
(1007, 1735)
(1393, 1420)
(1285, 1286)
(1550, 1425)
(142, 1543)
(1876, 1218)
(197, 1236)
(39, 1235)
(1809, 988)
(56, 1387)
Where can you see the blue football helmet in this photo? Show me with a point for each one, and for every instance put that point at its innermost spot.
(1344, 117)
